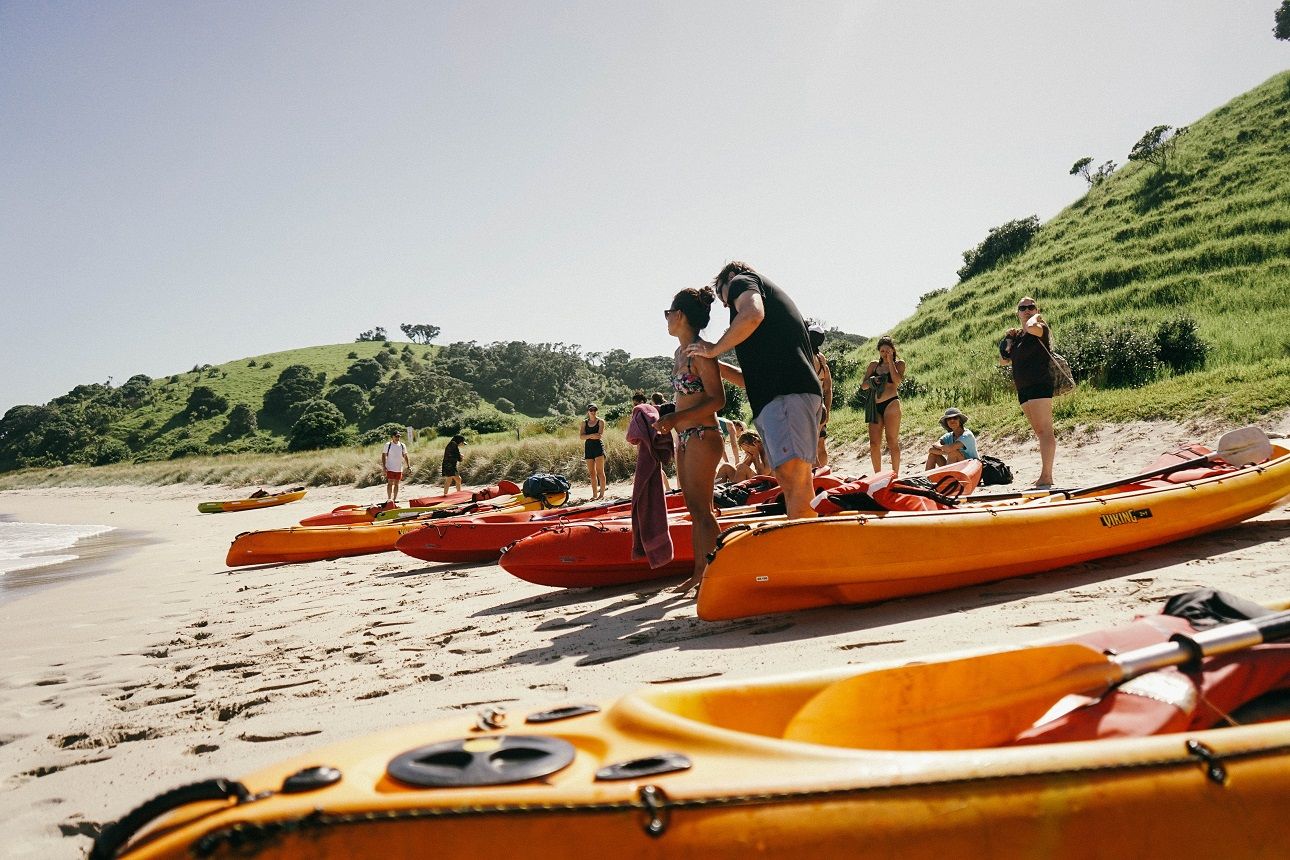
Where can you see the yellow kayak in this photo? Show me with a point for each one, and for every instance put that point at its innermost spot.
(265, 501)
(767, 767)
(862, 558)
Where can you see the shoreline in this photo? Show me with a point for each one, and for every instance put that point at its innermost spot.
(175, 668)
(96, 555)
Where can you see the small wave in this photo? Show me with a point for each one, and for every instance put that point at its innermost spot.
(27, 545)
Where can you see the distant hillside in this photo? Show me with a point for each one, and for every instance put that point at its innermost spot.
(1150, 260)
(322, 396)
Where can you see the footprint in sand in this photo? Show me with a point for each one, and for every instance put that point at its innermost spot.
(202, 749)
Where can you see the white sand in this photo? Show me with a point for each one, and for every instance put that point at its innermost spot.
(171, 668)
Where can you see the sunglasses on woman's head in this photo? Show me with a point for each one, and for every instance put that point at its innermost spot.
(1025, 307)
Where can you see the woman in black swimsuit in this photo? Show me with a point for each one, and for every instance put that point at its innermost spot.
(696, 382)
(593, 451)
(884, 376)
(1026, 348)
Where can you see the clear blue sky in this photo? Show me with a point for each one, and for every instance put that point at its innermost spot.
(184, 183)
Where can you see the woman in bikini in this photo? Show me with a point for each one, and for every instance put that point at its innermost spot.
(699, 396)
(884, 377)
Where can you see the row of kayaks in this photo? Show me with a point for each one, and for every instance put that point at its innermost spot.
(875, 544)
(1093, 747)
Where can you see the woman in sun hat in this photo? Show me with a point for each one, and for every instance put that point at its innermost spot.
(956, 445)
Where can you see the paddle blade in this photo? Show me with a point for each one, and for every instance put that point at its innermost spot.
(1244, 446)
(954, 704)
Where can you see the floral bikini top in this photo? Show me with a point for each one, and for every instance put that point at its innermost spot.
(688, 382)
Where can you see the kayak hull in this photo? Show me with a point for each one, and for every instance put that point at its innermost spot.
(740, 788)
(864, 558)
(234, 505)
(482, 538)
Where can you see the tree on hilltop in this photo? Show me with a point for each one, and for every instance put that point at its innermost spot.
(1156, 145)
(1282, 29)
(372, 334)
(421, 333)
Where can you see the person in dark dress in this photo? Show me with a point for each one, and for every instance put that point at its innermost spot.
(452, 458)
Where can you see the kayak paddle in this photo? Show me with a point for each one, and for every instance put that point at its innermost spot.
(986, 701)
(1241, 447)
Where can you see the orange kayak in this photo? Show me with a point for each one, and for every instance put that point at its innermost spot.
(350, 514)
(862, 558)
(313, 543)
(267, 501)
(727, 769)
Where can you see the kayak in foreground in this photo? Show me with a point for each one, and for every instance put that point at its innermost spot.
(862, 558)
(268, 500)
(723, 769)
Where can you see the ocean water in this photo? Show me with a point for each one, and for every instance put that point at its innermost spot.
(24, 546)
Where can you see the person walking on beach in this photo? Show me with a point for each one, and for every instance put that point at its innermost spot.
(1027, 348)
(769, 338)
(593, 451)
(696, 380)
(882, 379)
(394, 460)
(815, 332)
(452, 458)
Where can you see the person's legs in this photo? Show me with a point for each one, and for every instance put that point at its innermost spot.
(726, 474)
(1039, 412)
(891, 426)
(875, 447)
(394, 485)
(934, 459)
(696, 465)
(600, 483)
(794, 478)
(822, 452)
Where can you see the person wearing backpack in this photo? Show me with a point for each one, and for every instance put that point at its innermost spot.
(394, 460)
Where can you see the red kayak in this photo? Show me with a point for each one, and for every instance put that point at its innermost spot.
(588, 553)
(351, 514)
(482, 537)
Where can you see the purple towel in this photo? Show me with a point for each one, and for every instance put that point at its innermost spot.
(651, 538)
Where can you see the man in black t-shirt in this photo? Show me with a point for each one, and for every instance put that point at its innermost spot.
(770, 339)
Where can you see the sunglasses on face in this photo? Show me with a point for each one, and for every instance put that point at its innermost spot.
(667, 313)
(1025, 307)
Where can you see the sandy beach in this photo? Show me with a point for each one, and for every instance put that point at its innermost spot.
(165, 667)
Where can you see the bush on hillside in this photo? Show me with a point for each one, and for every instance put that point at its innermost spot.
(351, 401)
(505, 406)
(1179, 346)
(204, 402)
(380, 434)
(365, 373)
(1118, 356)
(386, 359)
(320, 425)
(109, 451)
(479, 420)
(1002, 242)
(422, 399)
(137, 390)
(241, 422)
(188, 449)
(1156, 145)
(735, 400)
(352, 354)
(296, 386)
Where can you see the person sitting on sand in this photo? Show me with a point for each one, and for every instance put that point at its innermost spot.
(452, 458)
(958, 443)
(394, 460)
(753, 463)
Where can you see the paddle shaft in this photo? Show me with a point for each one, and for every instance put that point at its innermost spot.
(1182, 648)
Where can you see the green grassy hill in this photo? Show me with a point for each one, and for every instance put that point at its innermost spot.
(1207, 238)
